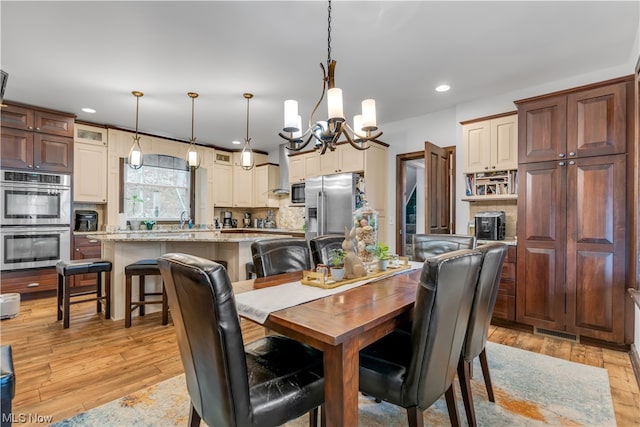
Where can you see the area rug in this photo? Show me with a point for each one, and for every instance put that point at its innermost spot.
(530, 390)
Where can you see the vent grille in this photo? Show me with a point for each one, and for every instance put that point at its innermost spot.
(557, 334)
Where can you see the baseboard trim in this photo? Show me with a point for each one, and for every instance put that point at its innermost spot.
(635, 362)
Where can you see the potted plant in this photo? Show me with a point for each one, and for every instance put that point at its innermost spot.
(381, 252)
(336, 258)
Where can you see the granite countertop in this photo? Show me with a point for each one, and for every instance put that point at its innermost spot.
(263, 230)
(183, 236)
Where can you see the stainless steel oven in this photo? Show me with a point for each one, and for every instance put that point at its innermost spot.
(31, 198)
(32, 247)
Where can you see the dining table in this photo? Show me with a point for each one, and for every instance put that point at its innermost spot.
(340, 325)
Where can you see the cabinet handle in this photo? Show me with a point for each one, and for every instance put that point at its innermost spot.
(93, 241)
(30, 166)
(37, 166)
(493, 167)
(486, 167)
(38, 129)
(561, 155)
(561, 163)
(30, 127)
(33, 285)
(571, 153)
(572, 162)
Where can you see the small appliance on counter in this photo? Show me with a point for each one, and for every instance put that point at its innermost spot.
(270, 220)
(86, 220)
(247, 219)
(226, 219)
(490, 225)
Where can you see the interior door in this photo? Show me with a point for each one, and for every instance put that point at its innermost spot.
(438, 210)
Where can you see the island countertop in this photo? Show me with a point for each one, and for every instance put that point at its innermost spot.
(183, 236)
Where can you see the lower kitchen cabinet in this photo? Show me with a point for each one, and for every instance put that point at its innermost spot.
(505, 308)
(31, 282)
(84, 248)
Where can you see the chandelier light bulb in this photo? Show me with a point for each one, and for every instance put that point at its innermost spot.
(135, 156)
(298, 133)
(193, 158)
(291, 116)
(357, 126)
(334, 104)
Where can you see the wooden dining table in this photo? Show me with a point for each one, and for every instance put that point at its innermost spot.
(340, 325)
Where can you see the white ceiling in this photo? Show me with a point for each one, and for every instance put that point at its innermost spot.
(69, 55)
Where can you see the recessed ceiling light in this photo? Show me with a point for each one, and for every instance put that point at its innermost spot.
(236, 142)
(89, 110)
(443, 88)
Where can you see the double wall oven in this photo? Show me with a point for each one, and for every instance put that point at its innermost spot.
(35, 209)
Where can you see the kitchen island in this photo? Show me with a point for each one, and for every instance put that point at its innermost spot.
(125, 248)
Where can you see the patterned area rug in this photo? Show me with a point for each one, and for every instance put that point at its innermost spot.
(530, 390)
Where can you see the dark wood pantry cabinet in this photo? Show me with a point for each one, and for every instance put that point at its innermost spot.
(572, 210)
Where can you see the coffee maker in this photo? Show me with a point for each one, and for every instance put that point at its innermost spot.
(247, 219)
(226, 219)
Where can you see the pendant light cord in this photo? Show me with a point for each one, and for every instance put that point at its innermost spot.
(248, 99)
(329, 34)
(193, 101)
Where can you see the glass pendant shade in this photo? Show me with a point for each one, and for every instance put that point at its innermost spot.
(334, 104)
(298, 133)
(369, 115)
(291, 116)
(135, 157)
(246, 156)
(135, 154)
(357, 126)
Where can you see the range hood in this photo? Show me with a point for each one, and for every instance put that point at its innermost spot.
(283, 181)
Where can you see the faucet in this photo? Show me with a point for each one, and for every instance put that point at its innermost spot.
(183, 219)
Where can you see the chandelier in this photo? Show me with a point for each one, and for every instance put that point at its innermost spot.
(135, 157)
(192, 157)
(247, 159)
(327, 133)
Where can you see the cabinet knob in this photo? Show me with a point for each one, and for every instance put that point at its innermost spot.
(30, 166)
(30, 127)
(572, 162)
(561, 155)
(571, 153)
(77, 249)
(561, 163)
(486, 167)
(493, 167)
(37, 166)
(38, 129)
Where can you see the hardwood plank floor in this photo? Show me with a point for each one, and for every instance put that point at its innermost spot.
(61, 372)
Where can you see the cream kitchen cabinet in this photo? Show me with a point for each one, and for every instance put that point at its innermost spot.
(303, 165)
(243, 181)
(265, 180)
(222, 179)
(344, 158)
(490, 144)
(90, 164)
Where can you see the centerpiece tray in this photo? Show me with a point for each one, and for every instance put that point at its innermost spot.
(311, 278)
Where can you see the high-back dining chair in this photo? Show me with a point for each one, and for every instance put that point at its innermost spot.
(281, 255)
(475, 341)
(413, 370)
(277, 380)
(428, 245)
(321, 247)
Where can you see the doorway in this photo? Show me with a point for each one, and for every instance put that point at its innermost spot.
(425, 200)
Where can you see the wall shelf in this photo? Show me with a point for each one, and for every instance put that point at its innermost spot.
(490, 198)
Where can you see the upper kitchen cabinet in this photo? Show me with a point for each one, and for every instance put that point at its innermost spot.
(588, 122)
(265, 179)
(303, 165)
(243, 188)
(36, 139)
(344, 158)
(490, 144)
(222, 179)
(90, 170)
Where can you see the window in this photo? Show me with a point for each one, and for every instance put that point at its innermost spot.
(160, 190)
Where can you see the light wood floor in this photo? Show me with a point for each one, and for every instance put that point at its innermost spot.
(61, 372)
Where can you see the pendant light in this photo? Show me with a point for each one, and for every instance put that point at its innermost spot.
(247, 160)
(135, 157)
(192, 157)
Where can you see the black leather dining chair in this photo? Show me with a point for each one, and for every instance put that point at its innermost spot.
(322, 246)
(427, 245)
(278, 379)
(475, 341)
(282, 255)
(413, 370)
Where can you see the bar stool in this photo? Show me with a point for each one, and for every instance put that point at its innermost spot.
(142, 268)
(250, 270)
(83, 266)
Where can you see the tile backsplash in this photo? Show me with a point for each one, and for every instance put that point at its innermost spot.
(510, 208)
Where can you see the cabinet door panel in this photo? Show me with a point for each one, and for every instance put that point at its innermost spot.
(17, 117)
(90, 173)
(542, 129)
(596, 121)
(16, 149)
(53, 124)
(504, 131)
(477, 146)
(541, 249)
(596, 241)
(53, 153)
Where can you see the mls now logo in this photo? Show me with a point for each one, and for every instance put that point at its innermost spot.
(21, 418)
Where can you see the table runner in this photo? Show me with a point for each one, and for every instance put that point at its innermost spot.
(258, 304)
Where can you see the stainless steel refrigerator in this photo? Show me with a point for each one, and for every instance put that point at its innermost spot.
(329, 203)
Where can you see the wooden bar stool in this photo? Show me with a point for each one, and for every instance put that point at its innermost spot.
(142, 268)
(83, 266)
